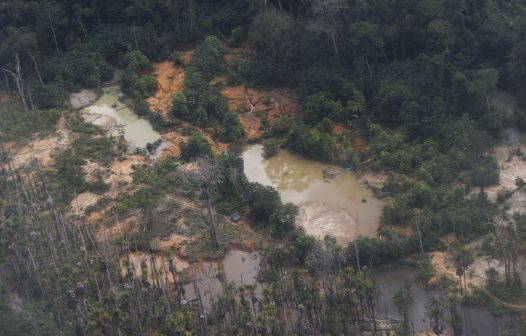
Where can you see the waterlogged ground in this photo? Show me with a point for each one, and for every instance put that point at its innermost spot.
(209, 278)
(477, 320)
(340, 206)
(203, 281)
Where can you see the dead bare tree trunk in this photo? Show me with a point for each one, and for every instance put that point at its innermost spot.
(19, 82)
(30, 97)
(334, 44)
(213, 233)
(37, 70)
(420, 238)
(82, 27)
(53, 31)
(135, 37)
(209, 177)
(6, 81)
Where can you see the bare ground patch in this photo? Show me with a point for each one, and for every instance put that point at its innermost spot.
(170, 79)
(320, 219)
(42, 149)
(80, 203)
(83, 98)
(256, 105)
(512, 165)
(475, 275)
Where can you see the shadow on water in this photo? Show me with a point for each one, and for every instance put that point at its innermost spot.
(478, 320)
(204, 281)
(209, 278)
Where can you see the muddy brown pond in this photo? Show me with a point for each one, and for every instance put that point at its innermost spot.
(340, 207)
(115, 117)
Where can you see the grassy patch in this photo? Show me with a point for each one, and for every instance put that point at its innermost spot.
(18, 125)
(513, 294)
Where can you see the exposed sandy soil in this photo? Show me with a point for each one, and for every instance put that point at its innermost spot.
(359, 144)
(170, 79)
(82, 99)
(83, 201)
(217, 146)
(511, 167)
(236, 96)
(186, 55)
(173, 241)
(109, 228)
(139, 259)
(8, 146)
(173, 149)
(243, 52)
(99, 216)
(105, 122)
(280, 102)
(339, 129)
(476, 273)
(118, 175)
(320, 219)
(174, 139)
(42, 149)
(372, 180)
(443, 265)
(93, 171)
(121, 173)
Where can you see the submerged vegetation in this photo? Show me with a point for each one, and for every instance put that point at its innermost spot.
(401, 89)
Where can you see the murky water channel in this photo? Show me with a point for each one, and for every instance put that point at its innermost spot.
(340, 206)
(477, 320)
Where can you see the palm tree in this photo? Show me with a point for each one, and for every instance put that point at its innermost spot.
(403, 300)
(435, 312)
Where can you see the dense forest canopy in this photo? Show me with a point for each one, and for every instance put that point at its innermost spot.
(412, 79)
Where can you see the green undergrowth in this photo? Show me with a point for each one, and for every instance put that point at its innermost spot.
(19, 125)
(513, 294)
(68, 178)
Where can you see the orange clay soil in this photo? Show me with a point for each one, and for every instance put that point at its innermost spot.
(106, 227)
(359, 144)
(279, 102)
(175, 139)
(246, 51)
(339, 129)
(170, 79)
